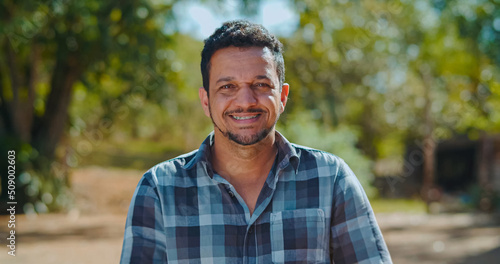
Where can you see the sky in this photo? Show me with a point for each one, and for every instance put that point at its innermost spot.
(201, 20)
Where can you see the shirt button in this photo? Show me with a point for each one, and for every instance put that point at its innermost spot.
(231, 194)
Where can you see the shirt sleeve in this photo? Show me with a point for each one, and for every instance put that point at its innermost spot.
(144, 240)
(355, 234)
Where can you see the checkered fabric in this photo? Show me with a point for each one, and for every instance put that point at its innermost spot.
(311, 209)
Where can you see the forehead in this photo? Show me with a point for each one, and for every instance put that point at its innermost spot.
(253, 50)
(239, 57)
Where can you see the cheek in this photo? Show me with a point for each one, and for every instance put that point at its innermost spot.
(275, 102)
(218, 107)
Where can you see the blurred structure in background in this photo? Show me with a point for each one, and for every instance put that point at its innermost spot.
(467, 174)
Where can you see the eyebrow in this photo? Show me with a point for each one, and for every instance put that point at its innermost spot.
(224, 79)
(260, 77)
(228, 79)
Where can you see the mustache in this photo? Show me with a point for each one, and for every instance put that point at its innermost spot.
(241, 110)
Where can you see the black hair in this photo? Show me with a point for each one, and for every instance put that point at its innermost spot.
(241, 33)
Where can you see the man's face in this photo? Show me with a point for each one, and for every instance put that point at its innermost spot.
(245, 97)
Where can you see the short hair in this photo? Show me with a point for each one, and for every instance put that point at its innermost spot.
(241, 33)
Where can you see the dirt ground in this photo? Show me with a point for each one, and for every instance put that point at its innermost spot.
(93, 231)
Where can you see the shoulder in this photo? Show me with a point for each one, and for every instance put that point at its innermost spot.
(170, 169)
(330, 169)
(175, 163)
(309, 155)
(318, 163)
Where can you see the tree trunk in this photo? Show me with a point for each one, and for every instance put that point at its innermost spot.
(18, 113)
(15, 82)
(51, 127)
(23, 115)
(5, 115)
(428, 192)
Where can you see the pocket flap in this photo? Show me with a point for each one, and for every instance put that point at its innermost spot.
(309, 214)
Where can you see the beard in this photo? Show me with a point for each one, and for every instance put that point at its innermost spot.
(247, 140)
(244, 140)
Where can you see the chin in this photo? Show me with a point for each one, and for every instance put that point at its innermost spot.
(247, 140)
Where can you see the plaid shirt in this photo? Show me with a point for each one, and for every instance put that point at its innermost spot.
(311, 209)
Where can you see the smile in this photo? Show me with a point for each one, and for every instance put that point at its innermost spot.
(244, 117)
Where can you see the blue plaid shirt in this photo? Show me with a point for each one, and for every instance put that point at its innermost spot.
(311, 209)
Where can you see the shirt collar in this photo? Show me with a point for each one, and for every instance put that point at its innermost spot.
(203, 153)
(286, 153)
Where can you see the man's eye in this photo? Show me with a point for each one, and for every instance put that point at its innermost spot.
(262, 85)
(226, 86)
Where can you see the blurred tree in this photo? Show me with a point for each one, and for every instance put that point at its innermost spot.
(48, 47)
(399, 72)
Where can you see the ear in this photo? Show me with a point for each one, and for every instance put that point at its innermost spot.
(204, 100)
(284, 96)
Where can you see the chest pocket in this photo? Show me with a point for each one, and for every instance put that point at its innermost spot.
(298, 236)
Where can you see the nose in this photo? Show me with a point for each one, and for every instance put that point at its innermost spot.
(245, 97)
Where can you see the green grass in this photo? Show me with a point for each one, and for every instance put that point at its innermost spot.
(133, 154)
(398, 205)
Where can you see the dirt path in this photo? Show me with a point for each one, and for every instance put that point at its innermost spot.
(457, 238)
(90, 233)
(93, 231)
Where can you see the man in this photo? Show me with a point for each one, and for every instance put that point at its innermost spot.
(247, 195)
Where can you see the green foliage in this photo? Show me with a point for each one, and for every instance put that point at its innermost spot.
(139, 154)
(484, 199)
(135, 117)
(106, 54)
(397, 70)
(44, 191)
(38, 189)
(398, 205)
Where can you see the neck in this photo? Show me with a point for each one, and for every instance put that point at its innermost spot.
(239, 163)
(245, 167)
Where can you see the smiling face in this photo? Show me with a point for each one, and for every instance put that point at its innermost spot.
(245, 99)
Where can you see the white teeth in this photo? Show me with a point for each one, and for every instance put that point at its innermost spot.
(244, 117)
